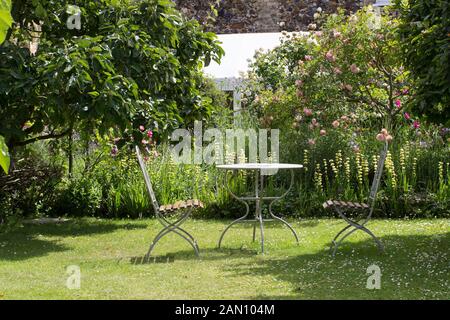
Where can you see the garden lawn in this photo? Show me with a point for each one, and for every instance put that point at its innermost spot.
(34, 258)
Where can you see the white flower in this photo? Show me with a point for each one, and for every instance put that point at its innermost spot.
(312, 41)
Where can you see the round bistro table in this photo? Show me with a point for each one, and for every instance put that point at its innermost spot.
(261, 170)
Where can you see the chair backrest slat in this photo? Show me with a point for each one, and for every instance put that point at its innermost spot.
(377, 176)
(147, 180)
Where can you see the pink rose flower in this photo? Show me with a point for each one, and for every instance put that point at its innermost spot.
(144, 142)
(150, 134)
(384, 136)
(323, 132)
(336, 34)
(330, 56)
(298, 83)
(141, 128)
(398, 103)
(354, 68)
(308, 57)
(114, 151)
(337, 71)
(407, 116)
(311, 142)
(335, 124)
(416, 124)
(307, 112)
(381, 137)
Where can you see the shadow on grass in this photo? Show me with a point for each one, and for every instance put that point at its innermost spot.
(226, 252)
(208, 254)
(274, 224)
(412, 267)
(17, 248)
(79, 227)
(26, 242)
(308, 223)
(141, 260)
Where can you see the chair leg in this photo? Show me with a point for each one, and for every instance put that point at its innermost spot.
(333, 242)
(377, 241)
(159, 237)
(338, 243)
(175, 228)
(166, 223)
(356, 226)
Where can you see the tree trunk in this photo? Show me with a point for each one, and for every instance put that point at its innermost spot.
(70, 152)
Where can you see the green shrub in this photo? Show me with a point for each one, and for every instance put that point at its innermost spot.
(424, 29)
(330, 93)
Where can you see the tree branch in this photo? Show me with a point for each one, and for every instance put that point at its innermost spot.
(51, 135)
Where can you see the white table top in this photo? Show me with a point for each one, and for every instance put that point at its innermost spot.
(259, 166)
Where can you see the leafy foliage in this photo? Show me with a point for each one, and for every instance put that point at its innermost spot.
(5, 18)
(4, 155)
(132, 63)
(330, 92)
(351, 64)
(425, 32)
(5, 24)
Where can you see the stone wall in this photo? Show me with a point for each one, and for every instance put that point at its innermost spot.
(244, 16)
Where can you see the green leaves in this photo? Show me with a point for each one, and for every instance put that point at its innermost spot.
(6, 19)
(131, 64)
(424, 30)
(4, 155)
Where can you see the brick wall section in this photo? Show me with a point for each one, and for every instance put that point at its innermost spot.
(244, 16)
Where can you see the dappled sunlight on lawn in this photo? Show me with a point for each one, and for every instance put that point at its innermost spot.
(110, 255)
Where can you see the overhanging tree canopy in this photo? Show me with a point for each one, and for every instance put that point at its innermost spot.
(132, 63)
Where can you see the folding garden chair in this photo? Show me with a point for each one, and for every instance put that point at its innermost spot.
(183, 208)
(341, 207)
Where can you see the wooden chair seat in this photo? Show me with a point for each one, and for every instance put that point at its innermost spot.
(345, 204)
(181, 205)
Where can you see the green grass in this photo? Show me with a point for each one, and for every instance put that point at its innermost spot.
(33, 262)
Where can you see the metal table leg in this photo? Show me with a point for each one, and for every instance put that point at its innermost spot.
(259, 199)
(278, 199)
(237, 220)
